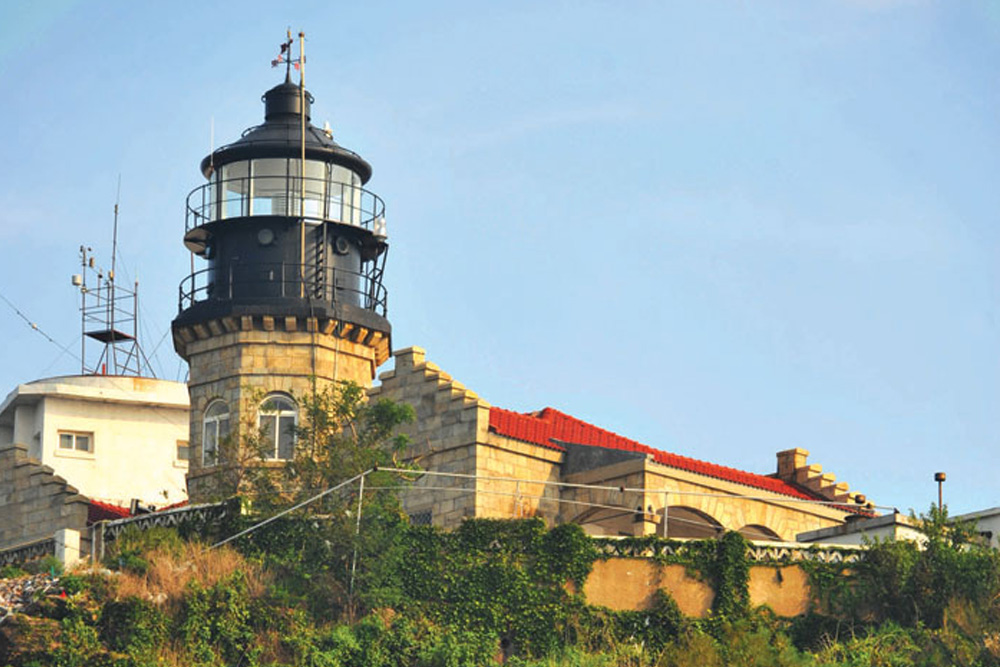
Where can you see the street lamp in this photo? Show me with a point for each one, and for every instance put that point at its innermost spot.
(939, 477)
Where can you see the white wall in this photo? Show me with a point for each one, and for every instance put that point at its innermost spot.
(985, 520)
(136, 424)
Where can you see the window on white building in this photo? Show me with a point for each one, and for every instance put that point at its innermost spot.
(215, 431)
(183, 451)
(76, 441)
(277, 418)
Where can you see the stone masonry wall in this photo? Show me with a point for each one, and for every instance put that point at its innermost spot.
(501, 457)
(719, 499)
(450, 421)
(35, 502)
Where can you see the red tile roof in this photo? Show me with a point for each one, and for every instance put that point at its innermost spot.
(549, 427)
(183, 503)
(98, 511)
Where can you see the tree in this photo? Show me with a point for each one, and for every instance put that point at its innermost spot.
(329, 549)
(912, 583)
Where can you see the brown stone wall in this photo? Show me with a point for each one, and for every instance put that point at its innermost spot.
(503, 464)
(595, 508)
(629, 584)
(785, 517)
(35, 502)
(719, 499)
(450, 421)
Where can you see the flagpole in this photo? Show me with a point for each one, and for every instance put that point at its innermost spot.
(302, 165)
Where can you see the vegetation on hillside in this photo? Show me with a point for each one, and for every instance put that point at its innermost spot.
(327, 586)
(495, 591)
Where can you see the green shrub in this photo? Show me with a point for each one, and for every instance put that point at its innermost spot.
(47, 565)
(73, 583)
(133, 626)
(12, 572)
(129, 550)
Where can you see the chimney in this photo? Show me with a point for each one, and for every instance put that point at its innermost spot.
(789, 461)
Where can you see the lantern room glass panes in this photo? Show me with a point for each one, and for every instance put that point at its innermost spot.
(315, 188)
(342, 206)
(235, 189)
(270, 187)
(273, 186)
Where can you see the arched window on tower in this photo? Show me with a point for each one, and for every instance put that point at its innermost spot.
(215, 430)
(277, 418)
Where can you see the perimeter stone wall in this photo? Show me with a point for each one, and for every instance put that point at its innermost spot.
(35, 503)
(629, 584)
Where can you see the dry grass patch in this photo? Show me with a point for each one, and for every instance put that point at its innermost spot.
(171, 571)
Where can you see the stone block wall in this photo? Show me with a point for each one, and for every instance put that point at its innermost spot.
(511, 460)
(35, 503)
(451, 421)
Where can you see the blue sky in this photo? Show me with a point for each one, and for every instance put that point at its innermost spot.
(720, 228)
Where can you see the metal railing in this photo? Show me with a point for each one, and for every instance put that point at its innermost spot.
(759, 551)
(325, 200)
(255, 281)
(22, 553)
(204, 515)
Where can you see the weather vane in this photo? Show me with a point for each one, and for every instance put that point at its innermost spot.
(285, 55)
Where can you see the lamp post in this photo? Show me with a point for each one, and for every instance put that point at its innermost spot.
(939, 477)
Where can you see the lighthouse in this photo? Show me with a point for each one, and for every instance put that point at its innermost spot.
(285, 295)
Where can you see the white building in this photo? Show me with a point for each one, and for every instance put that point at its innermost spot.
(987, 524)
(861, 530)
(113, 438)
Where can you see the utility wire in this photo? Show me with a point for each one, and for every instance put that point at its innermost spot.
(289, 510)
(39, 329)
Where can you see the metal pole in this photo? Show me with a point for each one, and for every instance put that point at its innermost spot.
(135, 328)
(111, 282)
(302, 165)
(665, 512)
(357, 532)
(83, 310)
(940, 477)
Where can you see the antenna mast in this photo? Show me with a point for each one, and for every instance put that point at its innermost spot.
(103, 309)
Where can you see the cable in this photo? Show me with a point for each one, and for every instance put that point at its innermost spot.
(39, 329)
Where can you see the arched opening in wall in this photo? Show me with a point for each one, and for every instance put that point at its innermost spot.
(689, 522)
(755, 531)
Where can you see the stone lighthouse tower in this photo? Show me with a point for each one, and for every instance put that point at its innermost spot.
(290, 294)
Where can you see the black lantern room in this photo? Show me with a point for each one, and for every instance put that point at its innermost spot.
(283, 235)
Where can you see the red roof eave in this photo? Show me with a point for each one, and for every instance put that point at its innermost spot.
(549, 426)
(98, 511)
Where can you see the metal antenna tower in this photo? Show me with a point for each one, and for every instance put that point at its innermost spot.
(107, 313)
